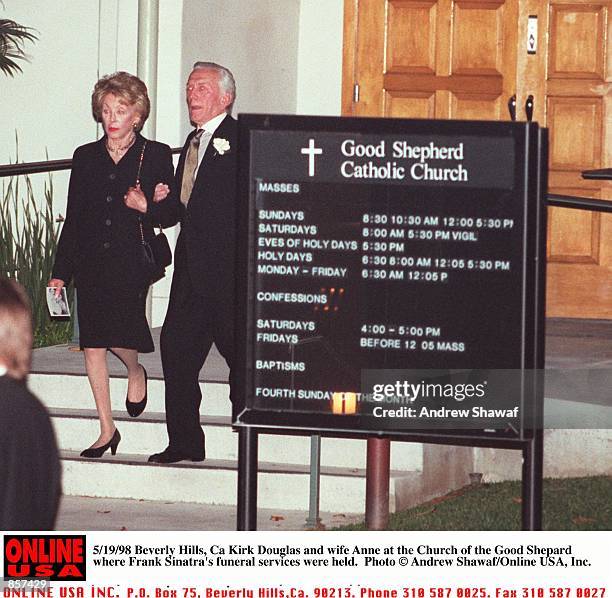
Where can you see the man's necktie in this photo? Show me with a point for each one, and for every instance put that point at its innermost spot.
(191, 165)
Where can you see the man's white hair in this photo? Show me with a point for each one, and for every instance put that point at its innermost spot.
(227, 83)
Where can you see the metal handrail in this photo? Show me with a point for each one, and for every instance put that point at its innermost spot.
(578, 203)
(23, 168)
(598, 174)
(552, 199)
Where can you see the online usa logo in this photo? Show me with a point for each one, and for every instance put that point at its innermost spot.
(57, 558)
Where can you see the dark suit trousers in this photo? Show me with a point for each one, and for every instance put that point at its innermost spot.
(193, 322)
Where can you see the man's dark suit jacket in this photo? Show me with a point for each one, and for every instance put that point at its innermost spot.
(206, 244)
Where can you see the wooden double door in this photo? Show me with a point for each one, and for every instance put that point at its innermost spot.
(467, 59)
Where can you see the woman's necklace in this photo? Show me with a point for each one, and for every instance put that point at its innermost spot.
(121, 148)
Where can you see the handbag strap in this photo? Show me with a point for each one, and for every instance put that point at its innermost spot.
(142, 239)
(144, 145)
(140, 162)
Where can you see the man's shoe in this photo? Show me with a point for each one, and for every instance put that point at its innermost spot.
(174, 456)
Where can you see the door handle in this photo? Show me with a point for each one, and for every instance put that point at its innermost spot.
(529, 107)
(512, 107)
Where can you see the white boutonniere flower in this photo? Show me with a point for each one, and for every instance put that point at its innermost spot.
(221, 145)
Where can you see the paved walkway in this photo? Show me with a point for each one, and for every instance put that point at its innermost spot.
(113, 514)
(57, 360)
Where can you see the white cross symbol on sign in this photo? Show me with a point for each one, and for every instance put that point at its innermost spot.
(312, 151)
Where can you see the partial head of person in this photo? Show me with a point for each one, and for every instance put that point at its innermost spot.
(210, 91)
(121, 103)
(15, 330)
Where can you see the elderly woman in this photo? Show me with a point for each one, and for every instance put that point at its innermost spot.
(100, 243)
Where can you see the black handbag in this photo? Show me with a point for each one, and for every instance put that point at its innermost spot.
(155, 253)
(156, 256)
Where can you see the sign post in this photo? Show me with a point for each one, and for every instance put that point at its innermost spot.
(391, 283)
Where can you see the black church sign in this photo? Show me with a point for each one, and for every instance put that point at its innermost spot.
(391, 275)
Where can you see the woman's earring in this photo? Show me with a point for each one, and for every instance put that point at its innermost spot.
(135, 125)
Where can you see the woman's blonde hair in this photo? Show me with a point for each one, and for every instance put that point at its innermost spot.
(125, 86)
(15, 329)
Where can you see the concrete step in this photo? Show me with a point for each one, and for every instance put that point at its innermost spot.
(70, 391)
(283, 459)
(214, 482)
(77, 428)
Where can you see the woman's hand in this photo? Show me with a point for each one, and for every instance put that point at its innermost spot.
(58, 284)
(135, 199)
(161, 192)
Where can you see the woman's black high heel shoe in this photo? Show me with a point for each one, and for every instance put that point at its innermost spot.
(135, 409)
(96, 453)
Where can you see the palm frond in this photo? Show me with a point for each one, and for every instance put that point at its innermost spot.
(12, 40)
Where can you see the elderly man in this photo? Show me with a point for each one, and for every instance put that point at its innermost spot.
(201, 305)
(29, 461)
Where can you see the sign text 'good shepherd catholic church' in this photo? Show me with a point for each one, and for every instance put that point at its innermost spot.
(411, 159)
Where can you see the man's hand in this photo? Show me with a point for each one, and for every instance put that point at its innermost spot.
(135, 199)
(58, 284)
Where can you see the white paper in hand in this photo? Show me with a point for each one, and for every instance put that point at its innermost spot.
(57, 304)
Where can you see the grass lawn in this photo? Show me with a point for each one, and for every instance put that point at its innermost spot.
(574, 504)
